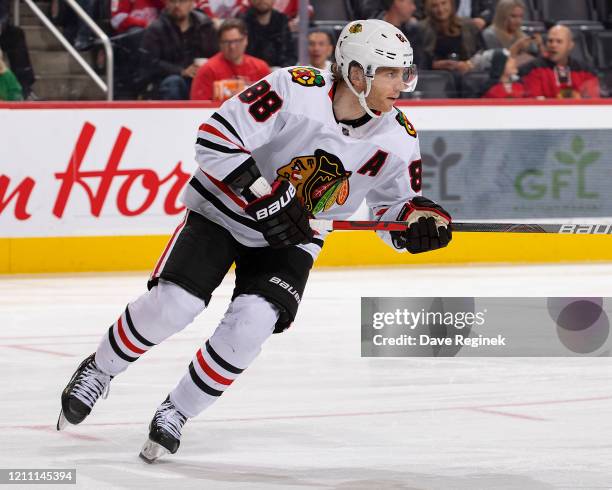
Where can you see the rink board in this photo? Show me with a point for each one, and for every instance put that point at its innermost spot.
(98, 188)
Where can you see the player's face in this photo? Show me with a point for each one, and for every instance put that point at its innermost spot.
(319, 48)
(386, 88)
(515, 19)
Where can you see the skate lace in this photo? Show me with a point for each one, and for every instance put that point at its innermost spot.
(91, 384)
(170, 419)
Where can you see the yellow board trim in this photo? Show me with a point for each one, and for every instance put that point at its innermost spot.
(354, 248)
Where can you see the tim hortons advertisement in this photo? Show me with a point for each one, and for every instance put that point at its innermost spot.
(96, 172)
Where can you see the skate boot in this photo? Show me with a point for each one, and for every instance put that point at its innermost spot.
(164, 432)
(87, 384)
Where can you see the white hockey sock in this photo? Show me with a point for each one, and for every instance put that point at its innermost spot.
(152, 318)
(236, 342)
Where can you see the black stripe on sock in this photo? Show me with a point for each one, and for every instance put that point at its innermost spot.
(136, 335)
(118, 351)
(200, 384)
(211, 198)
(218, 117)
(216, 147)
(220, 361)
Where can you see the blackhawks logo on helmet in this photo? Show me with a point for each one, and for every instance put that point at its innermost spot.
(355, 28)
(405, 123)
(320, 180)
(307, 77)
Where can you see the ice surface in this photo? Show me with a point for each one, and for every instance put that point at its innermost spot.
(310, 412)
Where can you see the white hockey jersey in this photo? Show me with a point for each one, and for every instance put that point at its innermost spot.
(285, 123)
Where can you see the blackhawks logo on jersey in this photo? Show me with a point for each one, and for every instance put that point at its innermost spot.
(405, 123)
(320, 180)
(306, 76)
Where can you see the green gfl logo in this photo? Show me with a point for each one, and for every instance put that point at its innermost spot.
(535, 184)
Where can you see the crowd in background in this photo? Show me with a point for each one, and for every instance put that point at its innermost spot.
(212, 49)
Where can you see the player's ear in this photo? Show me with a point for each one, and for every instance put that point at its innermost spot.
(357, 77)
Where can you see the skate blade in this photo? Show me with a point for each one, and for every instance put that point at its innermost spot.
(62, 423)
(151, 451)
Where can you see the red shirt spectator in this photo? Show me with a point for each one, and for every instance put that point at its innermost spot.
(126, 14)
(502, 90)
(542, 78)
(230, 70)
(558, 75)
(220, 69)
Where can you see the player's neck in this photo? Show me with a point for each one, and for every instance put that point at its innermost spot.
(346, 105)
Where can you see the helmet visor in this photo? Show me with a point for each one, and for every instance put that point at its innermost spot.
(408, 76)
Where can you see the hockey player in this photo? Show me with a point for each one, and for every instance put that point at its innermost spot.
(297, 144)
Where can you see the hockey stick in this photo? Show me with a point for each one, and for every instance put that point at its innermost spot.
(564, 229)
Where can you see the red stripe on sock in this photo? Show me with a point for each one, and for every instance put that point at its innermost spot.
(126, 341)
(210, 372)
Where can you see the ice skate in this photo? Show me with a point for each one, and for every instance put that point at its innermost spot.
(87, 384)
(164, 432)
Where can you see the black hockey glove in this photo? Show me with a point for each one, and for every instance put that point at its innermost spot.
(429, 226)
(282, 218)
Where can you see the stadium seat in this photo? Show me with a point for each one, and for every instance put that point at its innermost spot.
(605, 82)
(472, 84)
(530, 27)
(434, 84)
(603, 8)
(556, 10)
(603, 49)
(333, 26)
(331, 10)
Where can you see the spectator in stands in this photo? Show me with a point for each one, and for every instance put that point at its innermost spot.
(480, 11)
(220, 10)
(450, 41)
(505, 32)
(134, 15)
(400, 14)
(269, 35)
(9, 86)
(230, 70)
(504, 82)
(172, 45)
(13, 43)
(557, 75)
(320, 48)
